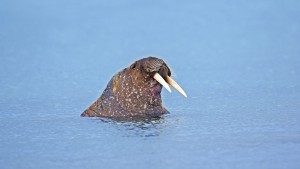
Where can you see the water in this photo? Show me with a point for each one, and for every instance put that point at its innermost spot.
(237, 60)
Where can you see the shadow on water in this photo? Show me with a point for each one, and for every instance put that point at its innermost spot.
(137, 126)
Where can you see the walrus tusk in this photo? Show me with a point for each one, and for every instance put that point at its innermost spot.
(162, 81)
(172, 82)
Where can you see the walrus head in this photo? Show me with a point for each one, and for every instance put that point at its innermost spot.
(135, 91)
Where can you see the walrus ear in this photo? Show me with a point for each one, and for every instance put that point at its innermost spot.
(133, 65)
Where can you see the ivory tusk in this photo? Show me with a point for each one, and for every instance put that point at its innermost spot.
(162, 81)
(172, 82)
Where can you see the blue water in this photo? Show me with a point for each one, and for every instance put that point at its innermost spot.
(238, 61)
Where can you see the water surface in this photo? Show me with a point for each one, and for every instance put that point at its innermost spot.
(237, 60)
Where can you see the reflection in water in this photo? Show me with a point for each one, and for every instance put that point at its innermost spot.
(133, 126)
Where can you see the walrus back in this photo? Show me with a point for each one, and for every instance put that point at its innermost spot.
(90, 112)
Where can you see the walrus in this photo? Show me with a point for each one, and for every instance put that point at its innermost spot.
(135, 91)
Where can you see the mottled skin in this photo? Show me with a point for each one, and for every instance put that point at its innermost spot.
(132, 92)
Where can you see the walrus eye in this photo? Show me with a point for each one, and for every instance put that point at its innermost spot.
(170, 81)
(133, 65)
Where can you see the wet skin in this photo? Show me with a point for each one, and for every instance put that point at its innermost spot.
(132, 92)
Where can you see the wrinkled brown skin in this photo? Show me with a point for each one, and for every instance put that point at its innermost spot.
(133, 92)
